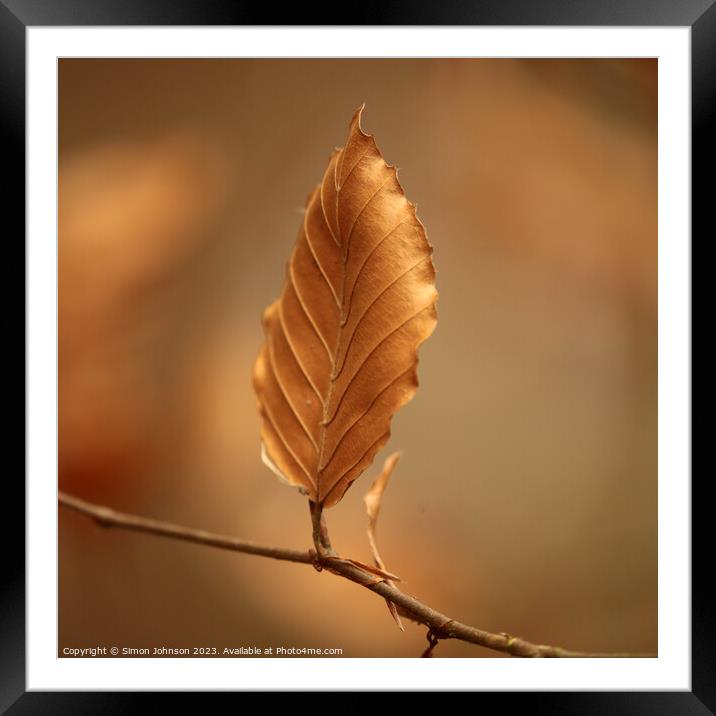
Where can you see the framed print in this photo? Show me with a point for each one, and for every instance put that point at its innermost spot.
(358, 354)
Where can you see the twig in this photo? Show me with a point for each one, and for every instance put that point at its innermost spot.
(441, 626)
(105, 517)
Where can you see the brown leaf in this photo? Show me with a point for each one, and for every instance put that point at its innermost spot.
(372, 501)
(340, 354)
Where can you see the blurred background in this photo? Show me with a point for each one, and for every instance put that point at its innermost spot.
(525, 500)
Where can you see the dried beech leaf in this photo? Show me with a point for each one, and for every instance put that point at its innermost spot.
(374, 497)
(372, 501)
(340, 351)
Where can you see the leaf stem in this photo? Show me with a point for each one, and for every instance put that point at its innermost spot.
(321, 540)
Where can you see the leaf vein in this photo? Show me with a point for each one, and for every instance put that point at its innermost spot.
(302, 303)
(362, 415)
(375, 348)
(282, 324)
(286, 444)
(371, 304)
(287, 398)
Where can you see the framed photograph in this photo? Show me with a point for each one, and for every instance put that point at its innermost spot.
(358, 353)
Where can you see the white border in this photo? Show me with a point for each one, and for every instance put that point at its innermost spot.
(672, 668)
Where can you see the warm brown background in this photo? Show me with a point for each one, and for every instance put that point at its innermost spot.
(526, 497)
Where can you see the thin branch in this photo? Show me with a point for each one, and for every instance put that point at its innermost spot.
(105, 517)
(440, 625)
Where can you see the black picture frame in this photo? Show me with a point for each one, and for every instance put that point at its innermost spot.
(17, 15)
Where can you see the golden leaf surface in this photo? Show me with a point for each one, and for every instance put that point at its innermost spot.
(340, 351)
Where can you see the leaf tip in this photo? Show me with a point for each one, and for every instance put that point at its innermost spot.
(356, 121)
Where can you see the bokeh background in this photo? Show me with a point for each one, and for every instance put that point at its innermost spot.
(525, 500)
